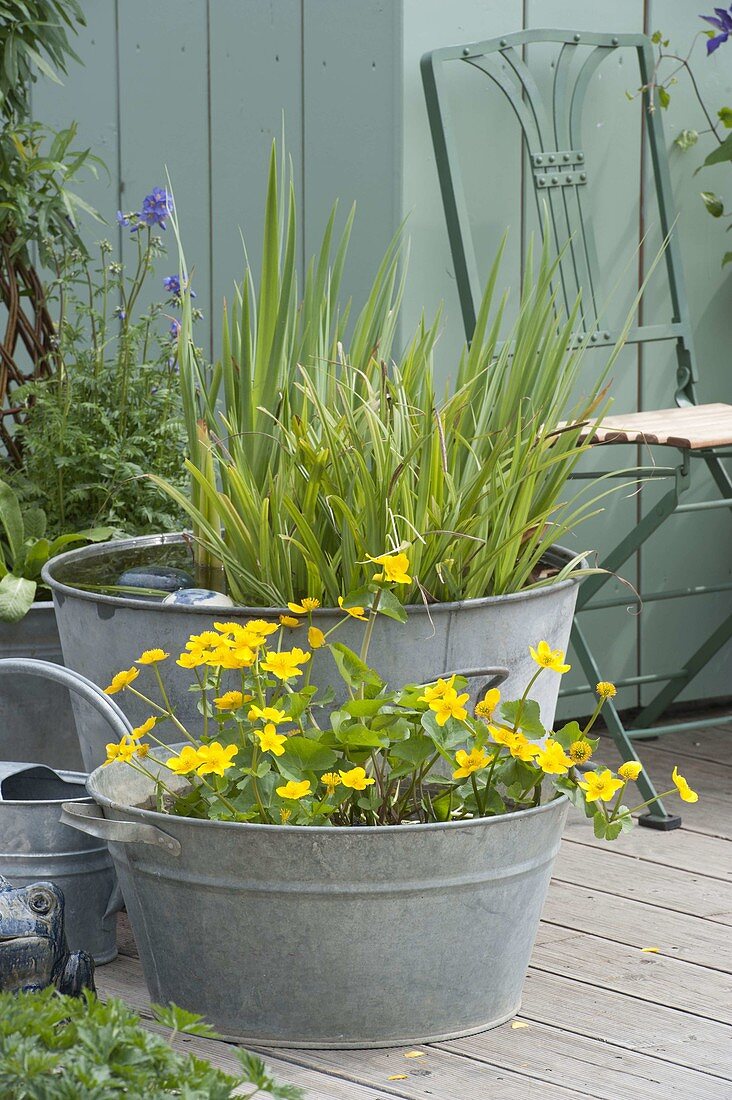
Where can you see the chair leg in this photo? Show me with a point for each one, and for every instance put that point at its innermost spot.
(656, 817)
(692, 668)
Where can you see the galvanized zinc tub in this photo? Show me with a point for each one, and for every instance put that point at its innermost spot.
(36, 847)
(101, 634)
(328, 937)
(36, 719)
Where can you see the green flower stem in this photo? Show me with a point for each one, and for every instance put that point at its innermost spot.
(255, 757)
(481, 806)
(649, 802)
(370, 628)
(221, 797)
(161, 710)
(616, 804)
(593, 719)
(524, 697)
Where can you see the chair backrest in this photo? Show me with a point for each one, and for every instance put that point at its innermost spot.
(559, 171)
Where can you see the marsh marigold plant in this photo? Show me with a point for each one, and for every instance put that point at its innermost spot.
(271, 749)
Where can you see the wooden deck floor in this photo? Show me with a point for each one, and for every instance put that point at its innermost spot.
(601, 1017)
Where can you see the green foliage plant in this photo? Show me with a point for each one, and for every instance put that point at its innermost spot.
(269, 751)
(111, 412)
(54, 1047)
(25, 549)
(306, 455)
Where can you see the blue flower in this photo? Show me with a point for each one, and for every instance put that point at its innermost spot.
(172, 285)
(122, 219)
(120, 313)
(174, 329)
(156, 207)
(722, 20)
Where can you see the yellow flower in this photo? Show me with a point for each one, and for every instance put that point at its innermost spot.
(304, 608)
(436, 691)
(152, 656)
(285, 815)
(489, 702)
(198, 642)
(547, 657)
(122, 751)
(284, 665)
(142, 750)
(451, 705)
(186, 762)
(356, 779)
(394, 568)
(683, 787)
(122, 680)
(606, 690)
(231, 700)
(215, 759)
(261, 627)
(501, 735)
(602, 785)
(190, 660)
(270, 740)
(294, 790)
(523, 749)
(580, 752)
(140, 731)
(266, 714)
(289, 620)
(235, 657)
(552, 759)
(331, 780)
(316, 637)
(469, 762)
(630, 770)
(354, 612)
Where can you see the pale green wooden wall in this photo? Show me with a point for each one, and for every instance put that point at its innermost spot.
(200, 86)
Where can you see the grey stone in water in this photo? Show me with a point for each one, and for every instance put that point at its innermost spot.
(163, 577)
(199, 597)
(33, 949)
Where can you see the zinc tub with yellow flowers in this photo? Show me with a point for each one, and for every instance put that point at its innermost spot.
(364, 875)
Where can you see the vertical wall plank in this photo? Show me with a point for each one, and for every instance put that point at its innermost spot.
(692, 549)
(490, 154)
(256, 84)
(163, 60)
(352, 127)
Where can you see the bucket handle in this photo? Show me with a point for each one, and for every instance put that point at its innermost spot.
(74, 681)
(495, 675)
(88, 818)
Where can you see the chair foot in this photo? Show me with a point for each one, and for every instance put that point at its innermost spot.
(664, 822)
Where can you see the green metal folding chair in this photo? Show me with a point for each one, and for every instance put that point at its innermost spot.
(559, 170)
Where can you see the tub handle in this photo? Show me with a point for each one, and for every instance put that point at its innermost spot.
(88, 818)
(74, 681)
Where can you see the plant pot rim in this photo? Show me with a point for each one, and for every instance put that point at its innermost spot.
(164, 820)
(59, 588)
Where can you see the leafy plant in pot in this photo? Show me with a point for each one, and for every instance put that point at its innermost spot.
(309, 453)
(365, 859)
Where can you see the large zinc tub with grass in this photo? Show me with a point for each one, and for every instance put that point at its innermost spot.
(101, 634)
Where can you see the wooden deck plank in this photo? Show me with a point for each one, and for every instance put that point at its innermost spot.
(713, 743)
(603, 1014)
(637, 924)
(645, 977)
(681, 849)
(614, 872)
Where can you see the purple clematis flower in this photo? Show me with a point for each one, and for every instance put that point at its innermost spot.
(722, 21)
